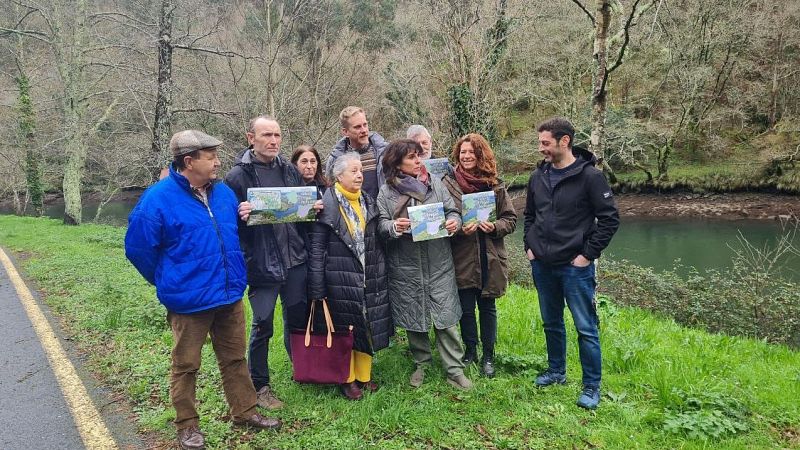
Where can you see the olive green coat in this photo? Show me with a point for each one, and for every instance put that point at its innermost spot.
(466, 249)
(422, 283)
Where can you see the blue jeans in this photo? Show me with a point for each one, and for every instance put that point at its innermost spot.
(575, 285)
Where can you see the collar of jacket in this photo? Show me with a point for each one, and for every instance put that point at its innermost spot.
(183, 182)
(580, 153)
(332, 216)
(291, 177)
(376, 141)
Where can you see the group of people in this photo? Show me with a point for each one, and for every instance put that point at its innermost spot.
(188, 236)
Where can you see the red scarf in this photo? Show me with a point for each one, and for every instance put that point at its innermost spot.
(469, 183)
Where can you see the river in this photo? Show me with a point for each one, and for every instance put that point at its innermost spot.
(657, 243)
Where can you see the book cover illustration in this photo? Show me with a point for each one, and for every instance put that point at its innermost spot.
(478, 207)
(437, 166)
(282, 204)
(427, 221)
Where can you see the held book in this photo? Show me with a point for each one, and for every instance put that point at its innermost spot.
(427, 222)
(282, 204)
(437, 166)
(478, 207)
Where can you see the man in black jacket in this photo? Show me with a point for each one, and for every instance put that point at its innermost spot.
(570, 217)
(275, 254)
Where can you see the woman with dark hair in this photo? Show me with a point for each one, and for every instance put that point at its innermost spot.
(481, 261)
(422, 284)
(347, 266)
(306, 159)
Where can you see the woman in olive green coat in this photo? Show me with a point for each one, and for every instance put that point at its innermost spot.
(422, 285)
(478, 248)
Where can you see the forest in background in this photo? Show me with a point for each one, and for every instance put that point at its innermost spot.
(91, 90)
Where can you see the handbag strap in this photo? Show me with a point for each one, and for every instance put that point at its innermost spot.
(328, 323)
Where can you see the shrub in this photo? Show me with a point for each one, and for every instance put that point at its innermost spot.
(715, 300)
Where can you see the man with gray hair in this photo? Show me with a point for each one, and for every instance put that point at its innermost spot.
(421, 136)
(369, 145)
(182, 238)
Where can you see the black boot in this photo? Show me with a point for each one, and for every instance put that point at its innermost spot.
(487, 364)
(470, 355)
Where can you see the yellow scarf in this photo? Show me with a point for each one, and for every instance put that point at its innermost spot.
(354, 199)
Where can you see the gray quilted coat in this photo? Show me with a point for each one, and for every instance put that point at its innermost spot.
(422, 282)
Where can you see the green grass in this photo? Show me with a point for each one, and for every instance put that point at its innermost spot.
(664, 386)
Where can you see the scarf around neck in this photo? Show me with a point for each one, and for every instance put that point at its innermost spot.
(413, 187)
(352, 218)
(470, 183)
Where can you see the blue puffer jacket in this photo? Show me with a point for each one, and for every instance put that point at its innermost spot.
(189, 252)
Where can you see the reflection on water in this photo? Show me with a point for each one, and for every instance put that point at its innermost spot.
(113, 213)
(704, 244)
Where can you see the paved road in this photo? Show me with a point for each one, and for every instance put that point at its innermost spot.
(33, 411)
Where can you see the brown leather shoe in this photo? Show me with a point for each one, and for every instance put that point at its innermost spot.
(267, 399)
(351, 391)
(259, 422)
(191, 439)
(370, 386)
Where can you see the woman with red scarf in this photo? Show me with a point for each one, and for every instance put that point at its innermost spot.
(481, 261)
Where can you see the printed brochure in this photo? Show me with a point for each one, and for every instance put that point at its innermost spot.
(427, 221)
(478, 207)
(282, 204)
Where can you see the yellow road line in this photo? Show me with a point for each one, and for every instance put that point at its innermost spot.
(93, 430)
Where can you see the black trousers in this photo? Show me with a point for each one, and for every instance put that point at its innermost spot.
(470, 298)
(292, 293)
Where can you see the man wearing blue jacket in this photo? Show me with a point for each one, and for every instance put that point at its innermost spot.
(182, 237)
(570, 217)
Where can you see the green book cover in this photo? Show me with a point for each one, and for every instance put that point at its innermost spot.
(282, 204)
(478, 207)
(427, 221)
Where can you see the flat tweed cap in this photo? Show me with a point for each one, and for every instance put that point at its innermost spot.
(187, 141)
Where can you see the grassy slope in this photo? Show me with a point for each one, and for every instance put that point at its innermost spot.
(651, 367)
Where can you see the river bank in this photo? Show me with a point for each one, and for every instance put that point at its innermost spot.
(736, 206)
(728, 206)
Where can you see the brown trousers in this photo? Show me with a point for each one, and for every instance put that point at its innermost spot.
(226, 326)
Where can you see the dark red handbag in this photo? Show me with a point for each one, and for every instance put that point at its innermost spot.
(321, 358)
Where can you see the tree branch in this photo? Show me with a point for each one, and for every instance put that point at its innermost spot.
(215, 51)
(28, 33)
(626, 40)
(580, 5)
(207, 111)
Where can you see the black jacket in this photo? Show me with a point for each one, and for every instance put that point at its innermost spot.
(355, 296)
(578, 218)
(269, 250)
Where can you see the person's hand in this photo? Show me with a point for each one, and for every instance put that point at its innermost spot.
(244, 210)
(487, 227)
(580, 261)
(451, 225)
(318, 206)
(402, 224)
(531, 256)
(469, 229)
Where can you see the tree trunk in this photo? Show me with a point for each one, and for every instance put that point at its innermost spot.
(163, 116)
(71, 67)
(600, 56)
(775, 89)
(27, 128)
